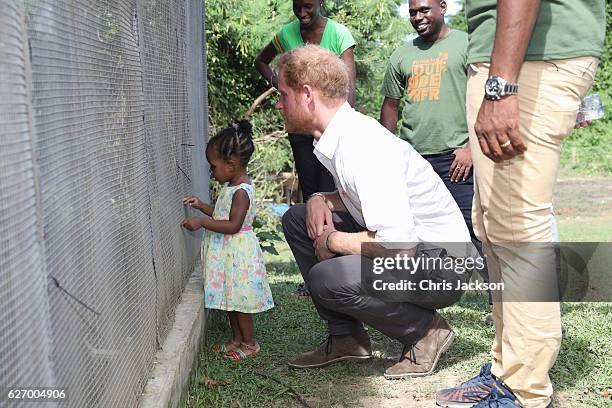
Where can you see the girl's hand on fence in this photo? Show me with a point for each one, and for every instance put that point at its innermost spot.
(194, 202)
(192, 223)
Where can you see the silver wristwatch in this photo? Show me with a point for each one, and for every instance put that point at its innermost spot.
(497, 87)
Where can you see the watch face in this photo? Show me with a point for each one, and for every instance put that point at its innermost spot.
(492, 87)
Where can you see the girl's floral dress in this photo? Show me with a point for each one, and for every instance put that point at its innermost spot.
(234, 269)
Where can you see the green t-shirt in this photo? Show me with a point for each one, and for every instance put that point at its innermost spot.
(564, 29)
(432, 79)
(336, 37)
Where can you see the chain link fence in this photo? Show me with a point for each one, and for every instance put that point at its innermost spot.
(102, 128)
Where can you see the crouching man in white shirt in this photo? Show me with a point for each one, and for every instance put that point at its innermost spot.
(387, 193)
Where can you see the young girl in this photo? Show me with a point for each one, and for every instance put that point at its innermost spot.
(234, 268)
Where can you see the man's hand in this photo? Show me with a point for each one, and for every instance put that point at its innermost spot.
(192, 223)
(497, 129)
(460, 168)
(320, 244)
(318, 215)
(583, 124)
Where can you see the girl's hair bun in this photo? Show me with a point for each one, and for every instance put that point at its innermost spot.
(243, 127)
(235, 140)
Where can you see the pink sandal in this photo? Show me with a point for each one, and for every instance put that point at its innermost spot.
(244, 351)
(226, 347)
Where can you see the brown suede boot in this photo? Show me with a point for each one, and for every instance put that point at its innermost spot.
(421, 358)
(336, 348)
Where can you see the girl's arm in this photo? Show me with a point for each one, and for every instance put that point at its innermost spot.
(262, 63)
(349, 59)
(207, 209)
(195, 202)
(240, 206)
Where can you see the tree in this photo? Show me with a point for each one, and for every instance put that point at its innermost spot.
(236, 31)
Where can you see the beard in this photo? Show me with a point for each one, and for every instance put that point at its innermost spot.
(298, 121)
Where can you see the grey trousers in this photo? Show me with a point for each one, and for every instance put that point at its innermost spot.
(335, 286)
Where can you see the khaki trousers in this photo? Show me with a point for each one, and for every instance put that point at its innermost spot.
(513, 205)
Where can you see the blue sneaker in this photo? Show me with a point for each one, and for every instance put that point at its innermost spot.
(501, 397)
(468, 393)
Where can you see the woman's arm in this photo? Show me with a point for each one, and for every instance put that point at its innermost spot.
(262, 63)
(349, 59)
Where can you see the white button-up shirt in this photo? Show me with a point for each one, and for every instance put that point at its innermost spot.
(385, 184)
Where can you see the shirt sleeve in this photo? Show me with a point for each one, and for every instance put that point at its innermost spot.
(277, 43)
(464, 53)
(394, 81)
(345, 38)
(384, 197)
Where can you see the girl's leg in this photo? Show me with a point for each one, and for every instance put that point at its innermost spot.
(235, 325)
(245, 321)
(248, 347)
(236, 340)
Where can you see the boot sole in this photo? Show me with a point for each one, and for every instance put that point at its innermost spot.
(445, 346)
(456, 404)
(329, 362)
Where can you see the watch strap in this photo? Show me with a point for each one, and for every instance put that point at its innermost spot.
(510, 89)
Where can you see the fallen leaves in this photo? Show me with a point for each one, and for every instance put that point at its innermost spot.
(210, 383)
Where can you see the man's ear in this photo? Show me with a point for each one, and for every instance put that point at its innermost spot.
(308, 94)
(443, 7)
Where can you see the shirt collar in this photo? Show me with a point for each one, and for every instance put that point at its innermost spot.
(327, 143)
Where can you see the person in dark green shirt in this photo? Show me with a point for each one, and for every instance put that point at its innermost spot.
(530, 64)
(429, 73)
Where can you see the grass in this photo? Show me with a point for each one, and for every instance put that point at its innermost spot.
(582, 372)
(586, 230)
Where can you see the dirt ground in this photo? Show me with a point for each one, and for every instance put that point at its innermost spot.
(588, 196)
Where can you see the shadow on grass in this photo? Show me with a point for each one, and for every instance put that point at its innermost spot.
(284, 269)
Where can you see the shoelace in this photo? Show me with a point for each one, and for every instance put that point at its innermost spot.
(493, 399)
(412, 356)
(328, 346)
(480, 375)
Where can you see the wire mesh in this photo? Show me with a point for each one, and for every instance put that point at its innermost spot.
(98, 140)
(24, 340)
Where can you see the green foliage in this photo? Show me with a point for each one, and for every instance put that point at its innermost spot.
(603, 82)
(459, 21)
(267, 234)
(589, 150)
(238, 30)
(378, 30)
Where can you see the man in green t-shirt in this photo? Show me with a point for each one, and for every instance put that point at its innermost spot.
(430, 74)
(530, 64)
